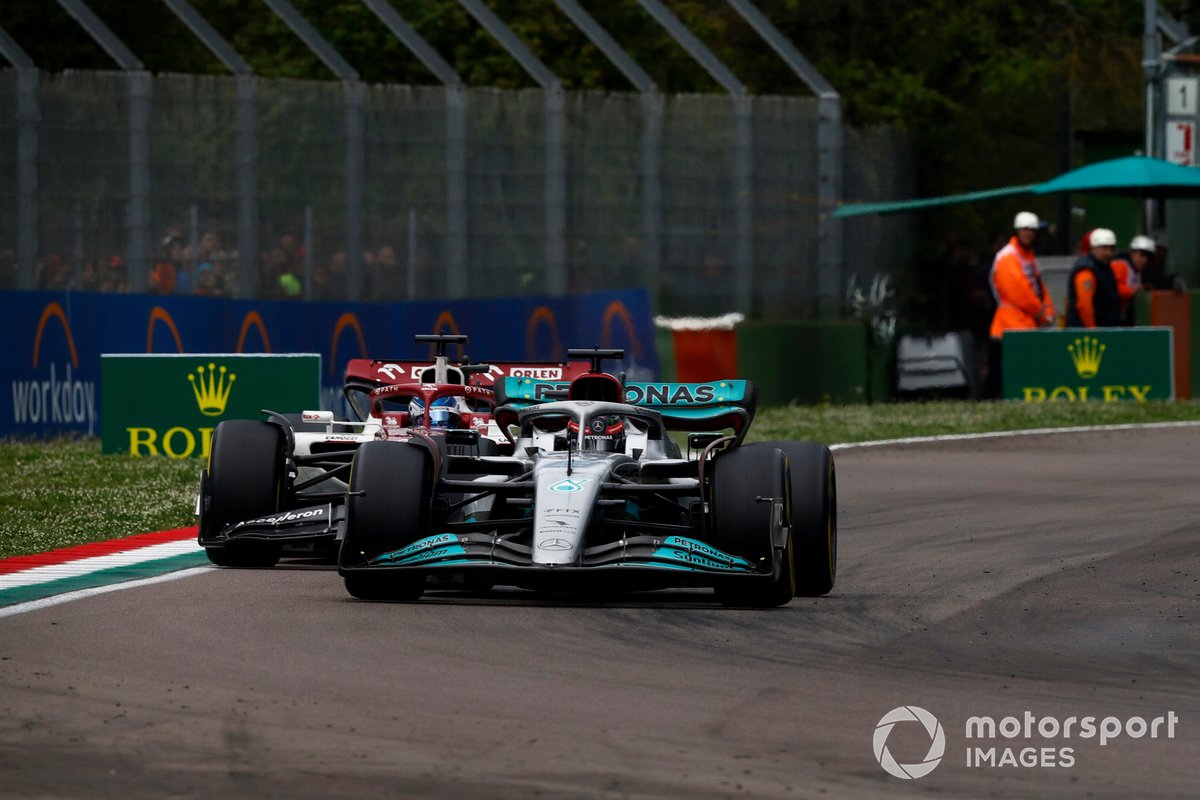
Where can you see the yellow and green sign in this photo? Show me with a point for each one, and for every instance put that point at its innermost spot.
(169, 405)
(1079, 365)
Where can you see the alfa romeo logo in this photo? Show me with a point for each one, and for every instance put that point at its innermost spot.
(937, 745)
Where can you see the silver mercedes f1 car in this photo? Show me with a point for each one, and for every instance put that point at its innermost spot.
(593, 494)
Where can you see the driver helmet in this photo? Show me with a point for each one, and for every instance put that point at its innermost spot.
(604, 434)
(443, 414)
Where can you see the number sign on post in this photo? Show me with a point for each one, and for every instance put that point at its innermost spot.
(1181, 96)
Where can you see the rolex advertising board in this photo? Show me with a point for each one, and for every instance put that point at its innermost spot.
(169, 405)
(1078, 365)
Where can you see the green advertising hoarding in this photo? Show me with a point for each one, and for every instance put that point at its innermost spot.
(1089, 365)
(169, 404)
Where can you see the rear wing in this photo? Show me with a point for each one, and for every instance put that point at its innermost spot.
(363, 375)
(389, 371)
(715, 405)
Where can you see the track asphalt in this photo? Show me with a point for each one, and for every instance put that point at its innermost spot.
(1055, 575)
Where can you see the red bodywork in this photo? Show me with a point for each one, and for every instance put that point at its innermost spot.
(401, 381)
(396, 423)
(387, 372)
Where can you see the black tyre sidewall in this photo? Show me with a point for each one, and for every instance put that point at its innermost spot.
(741, 525)
(393, 510)
(814, 514)
(245, 480)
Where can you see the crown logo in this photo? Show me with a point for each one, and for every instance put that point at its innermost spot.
(1086, 353)
(212, 391)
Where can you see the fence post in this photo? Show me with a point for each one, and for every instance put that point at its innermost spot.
(556, 173)
(308, 253)
(743, 194)
(456, 145)
(247, 187)
(246, 158)
(355, 94)
(138, 260)
(354, 100)
(743, 149)
(27, 151)
(27, 176)
(651, 135)
(556, 192)
(456, 193)
(652, 203)
(830, 160)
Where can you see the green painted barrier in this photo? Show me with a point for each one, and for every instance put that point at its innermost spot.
(664, 340)
(169, 404)
(1194, 338)
(806, 362)
(1089, 364)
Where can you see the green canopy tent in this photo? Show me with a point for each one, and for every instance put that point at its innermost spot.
(1140, 176)
(897, 206)
(1132, 175)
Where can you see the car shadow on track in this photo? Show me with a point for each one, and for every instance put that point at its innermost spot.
(667, 598)
(513, 596)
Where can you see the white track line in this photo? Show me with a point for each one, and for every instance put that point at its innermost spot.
(46, 602)
(966, 437)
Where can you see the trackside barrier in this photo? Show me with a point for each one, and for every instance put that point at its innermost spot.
(811, 362)
(52, 343)
(705, 347)
(1174, 310)
(193, 393)
(1089, 364)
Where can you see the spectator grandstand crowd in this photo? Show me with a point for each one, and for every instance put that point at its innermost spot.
(206, 269)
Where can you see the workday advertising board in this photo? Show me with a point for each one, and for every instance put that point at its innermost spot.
(1078, 365)
(52, 341)
(50, 384)
(169, 405)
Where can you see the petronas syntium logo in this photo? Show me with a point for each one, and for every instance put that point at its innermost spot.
(212, 389)
(1086, 353)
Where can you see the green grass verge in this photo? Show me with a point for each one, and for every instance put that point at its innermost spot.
(861, 423)
(61, 493)
(64, 492)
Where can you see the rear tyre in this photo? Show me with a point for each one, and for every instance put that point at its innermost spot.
(245, 480)
(742, 525)
(390, 502)
(814, 514)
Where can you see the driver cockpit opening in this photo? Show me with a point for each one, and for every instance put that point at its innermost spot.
(444, 413)
(602, 433)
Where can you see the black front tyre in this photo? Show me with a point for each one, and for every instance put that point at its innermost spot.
(389, 507)
(245, 480)
(747, 486)
(814, 514)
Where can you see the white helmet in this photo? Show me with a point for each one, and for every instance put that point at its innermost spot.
(1026, 219)
(1142, 243)
(1103, 237)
